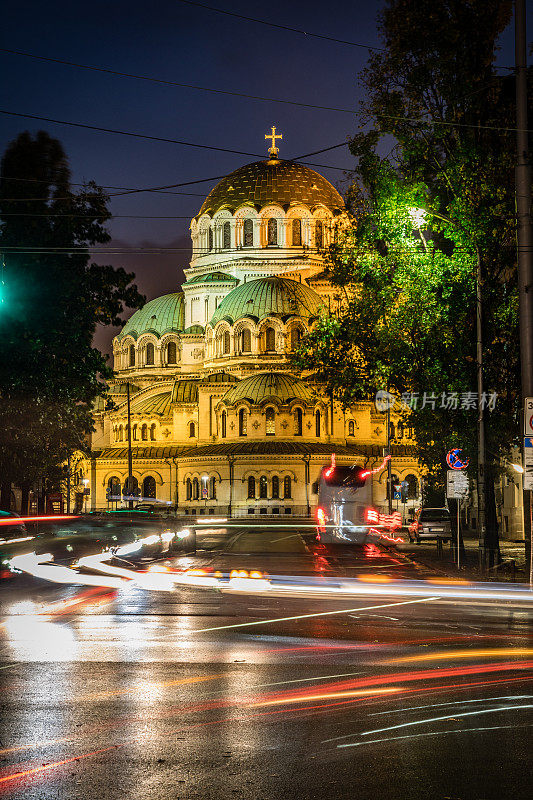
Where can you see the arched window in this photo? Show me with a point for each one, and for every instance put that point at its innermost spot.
(149, 487)
(272, 231)
(226, 236)
(213, 488)
(296, 337)
(152, 432)
(210, 238)
(270, 340)
(319, 233)
(412, 487)
(298, 419)
(189, 489)
(226, 342)
(246, 340)
(150, 352)
(270, 422)
(223, 424)
(392, 430)
(248, 233)
(400, 429)
(251, 487)
(351, 428)
(195, 489)
(297, 232)
(144, 433)
(263, 487)
(192, 430)
(121, 434)
(113, 488)
(287, 486)
(275, 487)
(132, 355)
(243, 422)
(172, 353)
(131, 490)
(134, 433)
(317, 423)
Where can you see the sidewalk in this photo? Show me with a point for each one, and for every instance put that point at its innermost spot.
(426, 554)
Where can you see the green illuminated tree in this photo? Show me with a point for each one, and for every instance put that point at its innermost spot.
(435, 107)
(53, 299)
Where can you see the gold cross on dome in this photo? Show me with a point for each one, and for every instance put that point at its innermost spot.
(273, 151)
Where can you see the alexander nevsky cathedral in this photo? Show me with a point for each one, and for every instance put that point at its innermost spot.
(220, 421)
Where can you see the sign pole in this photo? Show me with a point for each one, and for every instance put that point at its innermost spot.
(458, 538)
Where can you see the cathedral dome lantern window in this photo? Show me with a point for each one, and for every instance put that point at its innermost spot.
(172, 353)
(210, 238)
(132, 355)
(297, 233)
(226, 236)
(226, 342)
(272, 232)
(270, 340)
(319, 233)
(150, 354)
(248, 233)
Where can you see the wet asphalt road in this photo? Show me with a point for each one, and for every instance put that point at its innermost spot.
(156, 695)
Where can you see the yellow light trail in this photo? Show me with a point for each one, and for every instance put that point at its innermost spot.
(329, 696)
(318, 614)
(452, 654)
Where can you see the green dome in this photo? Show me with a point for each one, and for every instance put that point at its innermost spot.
(211, 277)
(272, 181)
(269, 386)
(155, 404)
(159, 316)
(264, 297)
(185, 391)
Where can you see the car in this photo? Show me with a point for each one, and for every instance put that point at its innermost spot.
(431, 523)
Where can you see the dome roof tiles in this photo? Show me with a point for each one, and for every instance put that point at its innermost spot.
(156, 404)
(185, 391)
(265, 297)
(276, 385)
(273, 181)
(159, 316)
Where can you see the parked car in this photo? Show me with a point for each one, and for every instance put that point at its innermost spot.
(431, 523)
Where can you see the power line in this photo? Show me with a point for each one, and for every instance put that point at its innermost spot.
(165, 82)
(283, 27)
(164, 139)
(96, 216)
(102, 186)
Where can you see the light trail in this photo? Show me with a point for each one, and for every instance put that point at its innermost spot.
(455, 703)
(434, 733)
(330, 696)
(309, 616)
(441, 719)
(35, 770)
(453, 654)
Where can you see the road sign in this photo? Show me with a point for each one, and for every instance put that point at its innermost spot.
(457, 459)
(528, 462)
(528, 416)
(456, 484)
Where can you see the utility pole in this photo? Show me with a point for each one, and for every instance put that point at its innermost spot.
(524, 239)
(130, 456)
(485, 549)
(389, 465)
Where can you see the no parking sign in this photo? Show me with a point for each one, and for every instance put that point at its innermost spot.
(457, 459)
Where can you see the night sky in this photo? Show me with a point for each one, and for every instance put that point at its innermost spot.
(179, 42)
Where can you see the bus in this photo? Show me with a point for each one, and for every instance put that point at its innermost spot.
(345, 514)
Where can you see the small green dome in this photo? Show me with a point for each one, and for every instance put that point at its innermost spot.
(154, 405)
(269, 385)
(159, 316)
(185, 391)
(264, 297)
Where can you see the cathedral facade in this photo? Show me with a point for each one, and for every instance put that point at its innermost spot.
(220, 421)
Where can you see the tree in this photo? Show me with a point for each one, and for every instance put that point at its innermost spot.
(53, 299)
(437, 110)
